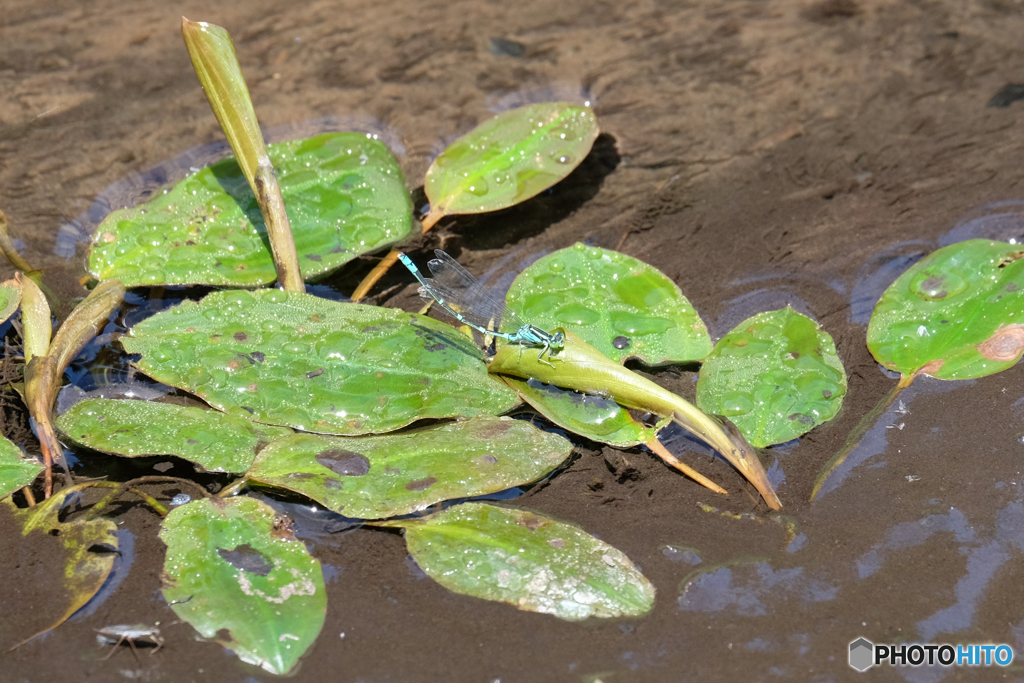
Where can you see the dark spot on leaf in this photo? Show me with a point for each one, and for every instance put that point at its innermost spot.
(241, 337)
(215, 337)
(487, 459)
(530, 521)
(301, 475)
(315, 373)
(825, 393)
(314, 257)
(621, 342)
(101, 418)
(251, 410)
(246, 558)
(1004, 345)
(794, 354)
(388, 469)
(315, 318)
(420, 484)
(556, 543)
(256, 357)
(425, 381)
(333, 484)
(494, 429)
(191, 243)
(802, 418)
(436, 347)
(338, 250)
(1011, 287)
(253, 387)
(191, 441)
(345, 463)
(943, 322)
(218, 264)
(234, 365)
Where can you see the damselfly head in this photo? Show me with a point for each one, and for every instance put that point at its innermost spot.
(557, 340)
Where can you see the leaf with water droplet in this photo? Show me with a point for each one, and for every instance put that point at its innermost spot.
(617, 304)
(510, 158)
(131, 429)
(776, 376)
(238, 575)
(372, 477)
(87, 549)
(528, 560)
(321, 366)
(956, 314)
(344, 194)
(10, 298)
(16, 470)
(594, 417)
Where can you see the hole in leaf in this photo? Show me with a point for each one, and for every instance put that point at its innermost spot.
(246, 558)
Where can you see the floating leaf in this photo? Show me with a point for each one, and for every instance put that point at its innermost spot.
(344, 192)
(84, 571)
(372, 477)
(956, 314)
(775, 376)
(211, 439)
(528, 560)
(618, 304)
(10, 298)
(510, 158)
(237, 574)
(16, 470)
(594, 417)
(316, 365)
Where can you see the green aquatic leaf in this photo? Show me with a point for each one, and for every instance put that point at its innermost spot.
(618, 304)
(321, 366)
(84, 570)
(129, 428)
(373, 477)
(10, 298)
(238, 575)
(776, 375)
(956, 314)
(594, 417)
(16, 470)
(345, 196)
(528, 560)
(510, 158)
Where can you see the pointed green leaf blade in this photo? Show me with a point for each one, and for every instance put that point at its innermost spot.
(131, 429)
(956, 314)
(316, 365)
(374, 477)
(776, 376)
(10, 298)
(236, 573)
(510, 158)
(16, 470)
(594, 417)
(345, 195)
(617, 304)
(83, 572)
(528, 560)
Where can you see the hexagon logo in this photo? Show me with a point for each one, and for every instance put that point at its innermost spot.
(862, 654)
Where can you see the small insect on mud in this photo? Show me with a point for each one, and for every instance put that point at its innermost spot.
(130, 633)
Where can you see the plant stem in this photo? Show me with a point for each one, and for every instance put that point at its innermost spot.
(659, 449)
(385, 264)
(233, 488)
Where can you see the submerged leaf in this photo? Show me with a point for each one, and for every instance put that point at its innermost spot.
(510, 158)
(618, 304)
(316, 365)
(594, 417)
(776, 376)
(956, 314)
(235, 572)
(211, 439)
(16, 470)
(84, 570)
(372, 477)
(344, 192)
(528, 560)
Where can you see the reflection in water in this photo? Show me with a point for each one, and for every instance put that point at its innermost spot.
(875, 276)
(123, 560)
(752, 303)
(744, 589)
(1002, 221)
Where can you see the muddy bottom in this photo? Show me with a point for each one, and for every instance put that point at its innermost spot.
(759, 153)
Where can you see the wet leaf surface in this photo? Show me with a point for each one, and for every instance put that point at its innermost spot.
(10, 298)
(316, 365)
(956, 314)
(209, 438)
(510, 158)
(594, 417)
(776, 376)
(618, 304)
(239, 577)
(344, 193)
(16, 470)
(374, 477)
(528, 560)
(84, 569)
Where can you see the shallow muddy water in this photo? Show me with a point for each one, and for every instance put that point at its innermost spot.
(758, 153)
